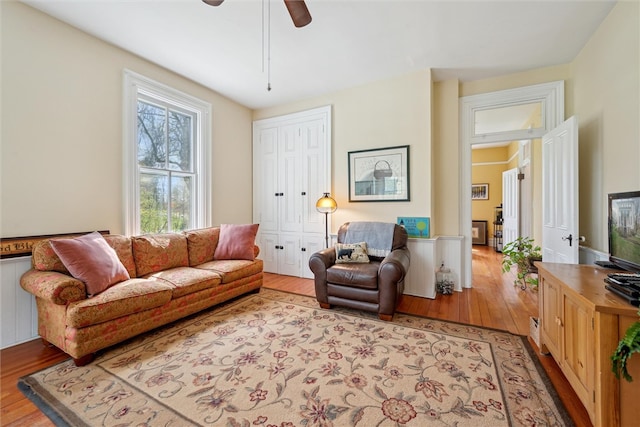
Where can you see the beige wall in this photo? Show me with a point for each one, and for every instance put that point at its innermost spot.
(606, 88)
(376, 115)
(446, 159)
(62, 133)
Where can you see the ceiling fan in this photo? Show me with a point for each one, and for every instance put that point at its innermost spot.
(297, 9)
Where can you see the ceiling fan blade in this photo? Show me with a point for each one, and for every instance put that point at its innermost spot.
(213, 2)
(299, 12)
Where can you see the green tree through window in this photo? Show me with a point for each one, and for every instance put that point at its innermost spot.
(165, 147)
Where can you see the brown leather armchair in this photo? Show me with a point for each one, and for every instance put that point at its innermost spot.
(376, 286)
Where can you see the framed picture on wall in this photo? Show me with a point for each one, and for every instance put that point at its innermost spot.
(479, 232)
(479, 191)
(379, 175)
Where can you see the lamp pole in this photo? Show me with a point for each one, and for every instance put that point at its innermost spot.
(326, 205)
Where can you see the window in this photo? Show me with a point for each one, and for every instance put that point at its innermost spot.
(166, 158)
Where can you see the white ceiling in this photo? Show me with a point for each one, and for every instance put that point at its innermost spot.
(348, 43)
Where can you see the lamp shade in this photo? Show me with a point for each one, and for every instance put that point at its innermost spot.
(326, 204)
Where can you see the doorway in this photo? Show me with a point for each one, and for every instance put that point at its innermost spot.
(476, 109)
(508, 170)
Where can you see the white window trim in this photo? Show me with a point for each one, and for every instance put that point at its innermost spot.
(133, 84)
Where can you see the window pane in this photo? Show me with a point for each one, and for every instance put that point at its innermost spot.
(180, 131)
(181, 203)
(505, 119)
(151, 135)
(154, 194)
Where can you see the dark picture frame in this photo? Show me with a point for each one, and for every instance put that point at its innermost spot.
(13, 247)
(479, 232)
(379, 175)
(479, 191)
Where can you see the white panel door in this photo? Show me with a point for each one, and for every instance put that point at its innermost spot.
(560, 193)
(292, 168)
(510, 206)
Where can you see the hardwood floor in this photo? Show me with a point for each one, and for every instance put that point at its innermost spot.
(493, 302)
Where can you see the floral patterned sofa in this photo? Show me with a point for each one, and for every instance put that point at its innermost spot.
(168, 276)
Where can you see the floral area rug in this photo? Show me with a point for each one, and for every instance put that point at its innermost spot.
(276, 360)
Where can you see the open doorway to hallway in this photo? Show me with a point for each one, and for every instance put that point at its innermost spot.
(506, 171)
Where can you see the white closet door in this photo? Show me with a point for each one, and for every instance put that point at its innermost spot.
(266, 163)
(290, 173)
(314, 179)
(292, 168)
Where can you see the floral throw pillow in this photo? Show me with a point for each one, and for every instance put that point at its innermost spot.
(351, 253)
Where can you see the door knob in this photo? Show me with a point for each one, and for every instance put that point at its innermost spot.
(569, 238)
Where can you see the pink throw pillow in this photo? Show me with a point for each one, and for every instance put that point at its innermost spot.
(236, 242)
(89, 258)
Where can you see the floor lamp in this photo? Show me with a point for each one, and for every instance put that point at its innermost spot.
(326, 205)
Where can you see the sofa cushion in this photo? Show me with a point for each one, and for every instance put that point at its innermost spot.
(122, 246)
(202, 244)
(44, 258)
(186, 280)
(237, 241)
(157, 252)
(89, 258)
(124, 298)
(231, 270)
(363, 276)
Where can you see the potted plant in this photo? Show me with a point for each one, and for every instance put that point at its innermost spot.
(522, 253)
(628, 345)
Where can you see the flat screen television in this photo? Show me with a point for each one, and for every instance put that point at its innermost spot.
(624, 230)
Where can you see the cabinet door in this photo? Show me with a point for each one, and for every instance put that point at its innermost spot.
(578, 356)
(551, 316)
(280, 253)
(311, 243)
(269, 250)
(289, 255)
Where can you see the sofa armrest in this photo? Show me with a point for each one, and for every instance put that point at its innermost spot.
(58, 288)
(395, 265)
(322, 260)
(319, 262)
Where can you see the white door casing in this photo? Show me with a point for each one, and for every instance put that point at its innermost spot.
(560, 194)
(510, 206)
(550, 95)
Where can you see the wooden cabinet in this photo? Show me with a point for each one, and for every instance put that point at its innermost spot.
(580, 325)
(291, 171)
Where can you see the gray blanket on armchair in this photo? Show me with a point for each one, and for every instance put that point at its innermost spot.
(378, 235)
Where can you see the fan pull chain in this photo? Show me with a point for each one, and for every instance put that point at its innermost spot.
(269, 46)
(266, 39)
